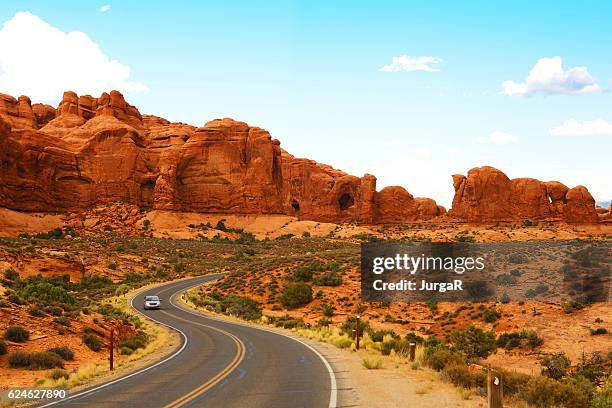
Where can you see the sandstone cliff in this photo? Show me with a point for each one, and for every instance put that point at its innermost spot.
(488, 195)
(95, 150)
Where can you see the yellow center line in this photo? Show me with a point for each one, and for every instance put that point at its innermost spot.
(219, 376)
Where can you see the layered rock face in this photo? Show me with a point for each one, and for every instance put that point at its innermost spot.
(95, 150)
(488, 195)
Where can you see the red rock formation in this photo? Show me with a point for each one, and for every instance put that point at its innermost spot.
(488, 195)
(95, 150)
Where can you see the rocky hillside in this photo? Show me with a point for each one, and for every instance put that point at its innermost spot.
(97, 150)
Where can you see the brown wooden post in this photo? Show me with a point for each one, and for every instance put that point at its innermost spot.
(495, 394)
(112, 348)
(412, 351)
(357, 334)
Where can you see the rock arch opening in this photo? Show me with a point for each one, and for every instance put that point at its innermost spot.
(346, 201)
(295, 205)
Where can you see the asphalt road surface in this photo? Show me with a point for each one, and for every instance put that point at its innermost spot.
(220, 364)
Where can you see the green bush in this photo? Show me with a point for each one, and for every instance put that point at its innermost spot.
(18, 334)
(11, 274)
(555, 366)
(3, 348)
(45, 360)
(400, 346)
(36, 311)
(57, 374)
(295, 295)
(324, 322)
(602, 399)
(64, 352)
(491, 315)
(288, 322)
(327, 310)
(46, 292)
(460, 375)
(35, 361)
(598, 331)
(439, 356)
(92, 341)
(242, 307)
(140, 340)
(473, 342)
(378, 335)
(63, 320)
(350, 324)
(328, 279)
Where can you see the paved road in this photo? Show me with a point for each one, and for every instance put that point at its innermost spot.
(222, 364)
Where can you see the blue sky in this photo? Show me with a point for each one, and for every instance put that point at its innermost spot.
(309, 72)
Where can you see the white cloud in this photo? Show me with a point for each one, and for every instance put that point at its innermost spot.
(548, 77)
(105, 8)
(498, 138)
(408, 63)
(571, 127)
(41, 61)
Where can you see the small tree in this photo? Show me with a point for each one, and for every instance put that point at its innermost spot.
(474, 342)
(295, 295)
(555, 366)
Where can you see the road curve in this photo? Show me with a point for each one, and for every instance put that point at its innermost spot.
(219, 364)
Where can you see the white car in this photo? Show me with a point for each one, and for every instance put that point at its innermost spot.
(152, 302)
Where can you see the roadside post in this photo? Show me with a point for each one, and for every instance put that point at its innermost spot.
(412, 351)
(112, 348)
(357, 334)
(494, 389)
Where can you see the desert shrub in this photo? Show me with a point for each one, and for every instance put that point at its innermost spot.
(125, 351)
(555, 366)
(491, 315)
(598, 331)
(3, 348)
(92, 341)
(517, 259)
(241, 307)
(343, 342)
(64, 352)
(545, 392)
(538, 290)
(400, 346)
(593, 367)
(479, 289)
(412, 337)
(57, 374)
(324, 322)
(532, 338)
(295, 295)
(46, 292)
(509, 340)
(372, 364)
(439, 356)
(16, 299)
(19, 359)
(288, 322)
(35, 361)
(302, 274)
(18, 334)
(460, 375)
(602, 399)
(135, 342)
(328, 279)
(45, 360)
(36, 311)
(327, 310)
(63, 320)
(474, 342)
(350, 324)
(378, 335)
(506, 279)
(112, 265)
(11, 274)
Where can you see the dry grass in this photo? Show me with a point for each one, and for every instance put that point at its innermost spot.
(372, 364)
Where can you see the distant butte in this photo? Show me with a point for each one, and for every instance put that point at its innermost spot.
(96, 150)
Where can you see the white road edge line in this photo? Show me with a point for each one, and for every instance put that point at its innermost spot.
(333, 397)
(108, 384)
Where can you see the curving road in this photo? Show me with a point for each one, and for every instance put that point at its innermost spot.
(219, 364)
